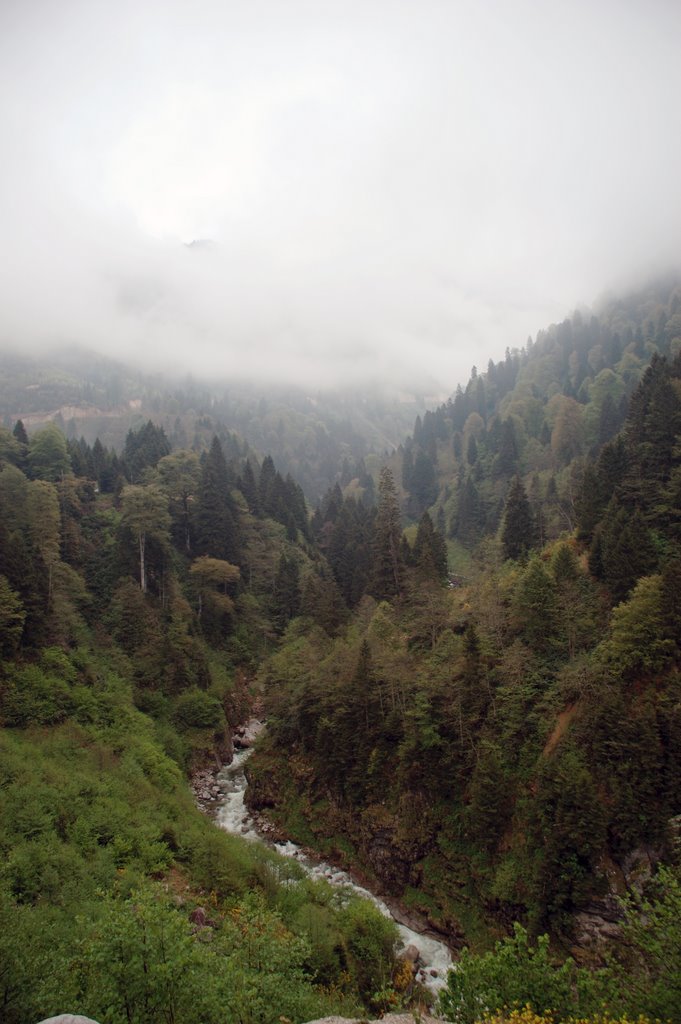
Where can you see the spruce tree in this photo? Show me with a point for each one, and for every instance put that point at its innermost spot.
(506, 461)
(287, 597)
(430, 551)
(249, 488)
(423, 485)
(469, 517)
(215, 524)
(20, 433)
(387, 569)
(626, 550)
(518, 534)
(266, 486)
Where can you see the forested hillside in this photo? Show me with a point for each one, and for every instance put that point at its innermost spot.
(136, 596)
(469, 658)
(542, 413)
(319, 438)
(507, 747)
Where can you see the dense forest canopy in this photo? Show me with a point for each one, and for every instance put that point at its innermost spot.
(469, 657)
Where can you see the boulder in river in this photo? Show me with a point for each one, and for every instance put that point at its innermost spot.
(246, 735)
(412, 954)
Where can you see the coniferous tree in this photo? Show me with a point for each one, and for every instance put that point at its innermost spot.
(407, 466)
(144, 448)
(625, 550)
(387, 569)
(535, 607)
(12, 618)
(430, 551)
(249, 489)
(518, 534)
(287, 597)
(469, 517)
(322, 602)
(20, 434)
(423, 480)
(608, 419)
(506, 461)
(20, 459)
(215, 520)
(266, 487)
(589, 505)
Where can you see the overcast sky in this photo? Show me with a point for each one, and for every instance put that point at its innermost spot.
(391, 189)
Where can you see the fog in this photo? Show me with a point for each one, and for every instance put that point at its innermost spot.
(387, 191)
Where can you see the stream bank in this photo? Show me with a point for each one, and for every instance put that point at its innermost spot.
(224, 800)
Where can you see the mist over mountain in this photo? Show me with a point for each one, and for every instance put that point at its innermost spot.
(390, 194)
(303, 418)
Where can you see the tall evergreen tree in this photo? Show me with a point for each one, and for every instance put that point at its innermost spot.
(249, 488)
(469, 517)
(19, 432)
(266, 486)
(423, 484)
(430, 551)
(506, 461)
(625, 550)
(215, 523)
(287, 596)
(518, 534)
(387, 568)
(144, 448)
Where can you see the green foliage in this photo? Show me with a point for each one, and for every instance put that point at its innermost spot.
(370, 941)
(216, 530)
(518, 973)
(642, 977)
(568, 834)
(430, 552)
(518, 534)
(48, 456)
(198, 710)
(145, 514)
(535, 607)
(387, 568)
(637, 643)
(501, 737)
(12, 618)
(646, 968)
(28, 695)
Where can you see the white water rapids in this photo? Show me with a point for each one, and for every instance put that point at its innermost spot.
(232, 815)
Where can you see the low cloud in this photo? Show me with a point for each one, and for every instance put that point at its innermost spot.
(391, 193)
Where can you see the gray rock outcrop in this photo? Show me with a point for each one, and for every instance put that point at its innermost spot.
(69, 1018)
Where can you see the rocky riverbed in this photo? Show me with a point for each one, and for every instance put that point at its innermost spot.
(222, 795)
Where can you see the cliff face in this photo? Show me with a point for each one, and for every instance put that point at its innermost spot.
(396, 859)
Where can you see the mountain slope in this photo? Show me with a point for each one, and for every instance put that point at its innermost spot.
(509, 748)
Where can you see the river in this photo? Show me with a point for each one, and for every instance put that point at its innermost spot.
(232, 815)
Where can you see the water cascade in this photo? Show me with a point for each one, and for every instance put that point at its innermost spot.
(232, 815)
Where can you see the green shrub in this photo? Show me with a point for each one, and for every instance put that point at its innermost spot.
(515, 972)
(196, 709)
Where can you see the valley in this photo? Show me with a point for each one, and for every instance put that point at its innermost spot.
(467, 648)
